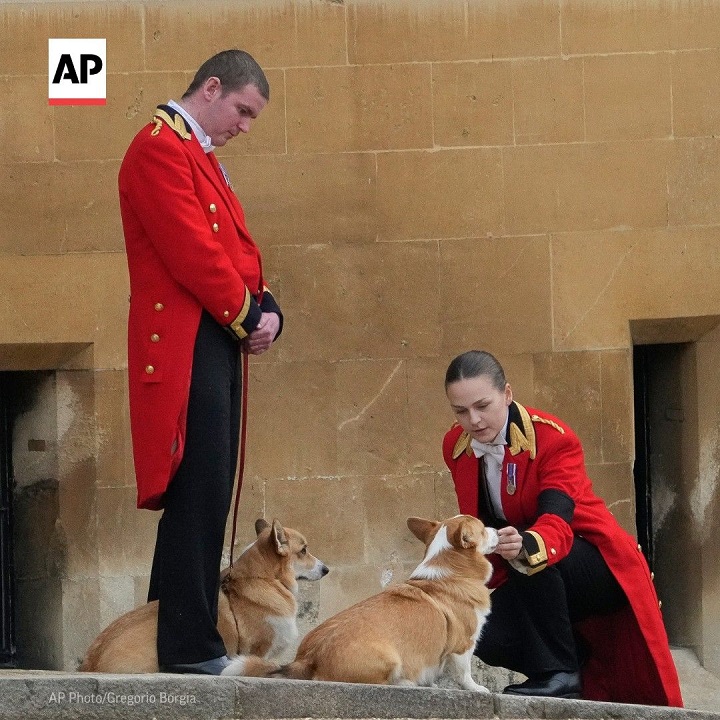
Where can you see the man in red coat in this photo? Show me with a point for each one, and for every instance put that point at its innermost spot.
(573, 605)
(198, 299)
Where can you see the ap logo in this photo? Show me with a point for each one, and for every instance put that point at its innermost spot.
(76, 71)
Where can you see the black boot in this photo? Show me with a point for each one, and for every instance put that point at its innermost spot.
(558, 684)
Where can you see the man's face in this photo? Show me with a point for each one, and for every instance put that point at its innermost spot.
(231, 113)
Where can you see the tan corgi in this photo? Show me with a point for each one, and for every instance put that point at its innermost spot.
(257, 607)
(411, 633)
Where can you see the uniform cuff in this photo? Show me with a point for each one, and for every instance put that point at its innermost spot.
(268, 304)
(533, 556)
(248, 317)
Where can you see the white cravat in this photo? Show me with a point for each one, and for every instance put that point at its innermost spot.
(496, 451)
(493, 454)
(203, 138)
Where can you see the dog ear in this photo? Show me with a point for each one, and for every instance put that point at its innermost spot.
(260, 525)
(422, 528)
(279, 538)
(468, 538)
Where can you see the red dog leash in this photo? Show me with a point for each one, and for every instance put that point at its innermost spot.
(243, 436)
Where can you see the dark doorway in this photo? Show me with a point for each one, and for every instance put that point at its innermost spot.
(642, 358)
(666, 473)
(7, 625)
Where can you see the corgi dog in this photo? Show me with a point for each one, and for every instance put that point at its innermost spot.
(411, 633)
(257, 607)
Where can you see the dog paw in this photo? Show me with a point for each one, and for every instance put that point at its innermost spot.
(236, 666)
(471, 685)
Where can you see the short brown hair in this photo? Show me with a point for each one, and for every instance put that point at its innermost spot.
(235, 69)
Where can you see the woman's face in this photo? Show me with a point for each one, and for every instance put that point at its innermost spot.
(480, 408)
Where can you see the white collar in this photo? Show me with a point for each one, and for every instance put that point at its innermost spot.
(494, 447)
(203, 138)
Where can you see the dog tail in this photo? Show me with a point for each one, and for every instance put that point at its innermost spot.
(296, 670)
(254, 666)
(250, 666)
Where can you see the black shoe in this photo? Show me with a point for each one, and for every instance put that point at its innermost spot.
(559, 685)
(206, 667)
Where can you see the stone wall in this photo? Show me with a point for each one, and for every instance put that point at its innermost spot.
(537, 177)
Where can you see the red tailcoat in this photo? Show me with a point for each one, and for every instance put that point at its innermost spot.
(187, 249)
(630, 660)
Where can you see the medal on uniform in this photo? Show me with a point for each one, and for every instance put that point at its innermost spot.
(511, 478)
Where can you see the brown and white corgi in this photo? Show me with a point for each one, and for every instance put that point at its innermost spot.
(411, 633)
(257, 607)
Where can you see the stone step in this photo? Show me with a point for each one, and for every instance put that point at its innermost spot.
(44, 695)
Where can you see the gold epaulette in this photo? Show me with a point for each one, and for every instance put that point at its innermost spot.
(462, 446)
(546, 421)
(176, 123)
(522, 438)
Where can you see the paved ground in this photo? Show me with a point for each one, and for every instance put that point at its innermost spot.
(700, 689)
(40, 695)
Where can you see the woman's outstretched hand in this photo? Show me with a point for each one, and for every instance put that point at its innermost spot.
(509, 543)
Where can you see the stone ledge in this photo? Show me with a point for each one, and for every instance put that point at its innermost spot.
(27, 695)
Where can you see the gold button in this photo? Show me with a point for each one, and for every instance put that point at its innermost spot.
(659, 603)
(155, 337)
(149, 369)
(213, 207)
(226, 313)
(216, 227)
(159, 306)
(640, 548)
(652, 575)
(553, 551)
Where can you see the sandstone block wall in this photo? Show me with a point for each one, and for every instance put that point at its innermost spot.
(534, 177)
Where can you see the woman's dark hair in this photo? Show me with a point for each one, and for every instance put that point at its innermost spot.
(474, 363)
(235, 69)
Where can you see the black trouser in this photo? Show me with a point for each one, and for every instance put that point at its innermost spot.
(185, 575)
(529, 628)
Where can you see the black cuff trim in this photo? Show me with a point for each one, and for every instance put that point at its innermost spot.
(534, 547)
(248, 318)
(268, 304)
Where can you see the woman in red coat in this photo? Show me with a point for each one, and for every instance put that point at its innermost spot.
(573, 606)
